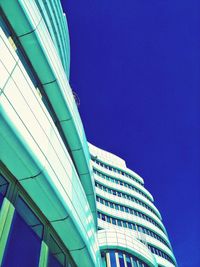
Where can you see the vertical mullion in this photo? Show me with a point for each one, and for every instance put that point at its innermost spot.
(43, 255)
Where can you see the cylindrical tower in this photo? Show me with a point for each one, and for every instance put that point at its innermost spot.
(131, 232)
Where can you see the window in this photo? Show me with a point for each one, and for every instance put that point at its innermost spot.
(128, 261)
(113, 221)
(3, 188)
(25, 238)
(113, 259)
(56, 256)
(119, 223)
(121, 259)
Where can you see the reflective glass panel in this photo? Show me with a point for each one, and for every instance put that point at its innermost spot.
(56, 256)
(112, 259)
(3, 188)
(121, 259)
(23, 245)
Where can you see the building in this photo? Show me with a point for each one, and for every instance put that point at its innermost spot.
(46, 180)
(131, 232)
(48, 208)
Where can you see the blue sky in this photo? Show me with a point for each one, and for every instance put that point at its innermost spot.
(135, 67)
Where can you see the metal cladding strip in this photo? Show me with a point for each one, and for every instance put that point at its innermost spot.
(128, 203)
(63, 28)
(121, 198)
(122, 169)
(103, 207)
(47, 18)
(122, 178)
(147, 239)
(132, 218)
(126, 190)
(67, 45)
(56, 11)
(54, 197)
(163, 262)
(28, 24)
(150, 240)
(50, 15)
(113, 160)
(138, 236)
(37, 157)
(118, 240)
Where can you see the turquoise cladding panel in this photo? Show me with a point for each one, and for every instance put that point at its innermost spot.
(56, 23)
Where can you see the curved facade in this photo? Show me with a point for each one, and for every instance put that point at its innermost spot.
(131, 232)
(55, 192)
(48, 206)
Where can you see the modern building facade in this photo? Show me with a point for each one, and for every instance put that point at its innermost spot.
(53, 197)
(131, 232)
(48, 206)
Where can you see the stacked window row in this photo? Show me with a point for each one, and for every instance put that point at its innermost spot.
(25, 245)
(160, 253)
(106, 166)
(117, 181)
(132, 226)
(126, 196)
(116, 258)
(128, 210)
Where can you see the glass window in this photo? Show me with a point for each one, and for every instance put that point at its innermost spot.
(5, 28)
(29, 217)
(56, 256)
(130, 225)
(121, 259)
(113, 221)
(3, 188)
(119, 194)
(128, 261)
(113, 259)
(119, 223)
(124, 224)
(111, 205)
(135, 262)
(24, 240)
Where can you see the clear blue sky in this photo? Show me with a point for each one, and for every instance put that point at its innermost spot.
(135, 66)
